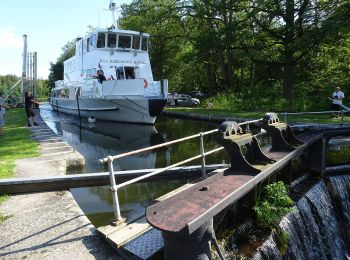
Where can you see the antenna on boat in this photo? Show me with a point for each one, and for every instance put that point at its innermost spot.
(113, 8)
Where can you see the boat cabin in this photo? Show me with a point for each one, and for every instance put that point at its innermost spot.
(117, 54)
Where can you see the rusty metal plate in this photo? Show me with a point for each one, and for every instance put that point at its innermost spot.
(176, 212)
(188, 210)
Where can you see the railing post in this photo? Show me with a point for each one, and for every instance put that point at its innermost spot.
(285, 118)
(341, 118)
(204, 173)
(114, 189)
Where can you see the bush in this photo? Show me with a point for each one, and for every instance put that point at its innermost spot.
(274, 204)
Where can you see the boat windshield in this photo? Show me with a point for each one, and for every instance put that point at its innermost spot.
(121, 41)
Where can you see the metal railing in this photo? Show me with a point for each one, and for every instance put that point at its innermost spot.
(341, 114)
(202, 154)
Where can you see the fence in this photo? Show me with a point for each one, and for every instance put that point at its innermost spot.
(341, 113)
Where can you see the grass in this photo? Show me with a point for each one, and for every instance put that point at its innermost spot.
(313, 119)
(14, 144)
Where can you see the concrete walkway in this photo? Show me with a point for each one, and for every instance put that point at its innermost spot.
(49, 225)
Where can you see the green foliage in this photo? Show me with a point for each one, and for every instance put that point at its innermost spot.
(269, 209)
(57, 69)
(273, 205)
(7, 81)
(282, 241)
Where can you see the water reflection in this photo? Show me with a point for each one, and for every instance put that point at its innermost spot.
(106, 138)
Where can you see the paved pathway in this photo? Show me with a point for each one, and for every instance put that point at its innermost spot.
(49, 225)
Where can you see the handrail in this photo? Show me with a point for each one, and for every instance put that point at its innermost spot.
(341, 112)
(311, 113)
(110, 159)
(104, 160)
(155, 146)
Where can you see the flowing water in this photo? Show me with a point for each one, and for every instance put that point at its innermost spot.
(319, 226)
(96, 141)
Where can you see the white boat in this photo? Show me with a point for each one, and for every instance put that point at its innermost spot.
(128, 95)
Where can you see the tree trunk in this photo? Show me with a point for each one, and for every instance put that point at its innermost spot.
(211, 78)
(223, 66)
(252, 75)
(230, 70)
(288, 78)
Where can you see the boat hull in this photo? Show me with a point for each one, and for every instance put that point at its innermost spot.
(124, 109)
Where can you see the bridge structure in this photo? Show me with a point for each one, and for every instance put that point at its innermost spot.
(183, 220)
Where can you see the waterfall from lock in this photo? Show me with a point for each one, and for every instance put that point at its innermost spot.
(318, 227)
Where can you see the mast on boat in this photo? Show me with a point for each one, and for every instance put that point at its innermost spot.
(113, 8)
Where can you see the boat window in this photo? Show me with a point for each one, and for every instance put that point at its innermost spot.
(112, 40)
(93, 40)
(124, 41)
(120, 72)
(129, 73)
(101, 40)
(93, 71)
(144, 44)
(88, 44)
(88, 74)
(84, 46)
(136, 42)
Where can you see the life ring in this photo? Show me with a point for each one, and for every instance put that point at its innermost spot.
(145, 83)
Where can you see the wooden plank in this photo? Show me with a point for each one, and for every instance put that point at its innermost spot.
(129, 232)
(132, 217)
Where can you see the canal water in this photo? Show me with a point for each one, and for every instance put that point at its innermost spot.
(96, 141)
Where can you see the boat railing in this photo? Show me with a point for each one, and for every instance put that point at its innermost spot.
(202, 155)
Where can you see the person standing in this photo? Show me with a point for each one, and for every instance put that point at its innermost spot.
(100, 77)
(337, 97)
(2, 112)
(28, 104)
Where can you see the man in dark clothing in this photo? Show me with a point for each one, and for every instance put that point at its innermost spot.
(28, 104)
(100, 77)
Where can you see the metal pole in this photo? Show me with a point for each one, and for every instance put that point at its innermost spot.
(35, 74)
(202, 152)
(24, 66)
(114, 189)
(341, 118)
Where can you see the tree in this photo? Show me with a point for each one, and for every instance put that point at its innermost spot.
(292, 29)
(57, 69)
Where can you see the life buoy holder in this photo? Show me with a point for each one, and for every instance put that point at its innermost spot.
(145, 83)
